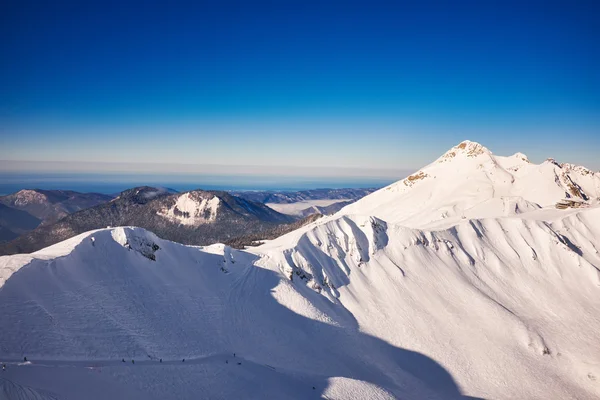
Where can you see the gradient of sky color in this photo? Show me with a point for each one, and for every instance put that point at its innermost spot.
(354, 85)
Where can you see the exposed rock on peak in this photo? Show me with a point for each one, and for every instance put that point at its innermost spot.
(470, 181)
(193, 208)
(472, 148)
(466, 148)
(414, 178)
(28, 196)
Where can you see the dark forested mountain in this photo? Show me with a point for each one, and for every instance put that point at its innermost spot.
(51, 205)
(256, 239)
(196, 217)
(15, 222)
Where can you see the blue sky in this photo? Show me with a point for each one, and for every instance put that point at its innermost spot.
(371, 86)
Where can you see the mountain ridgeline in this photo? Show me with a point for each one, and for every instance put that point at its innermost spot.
(26, 209)
(476, 277)
(197, 217)
(51, 205)
(284, 197)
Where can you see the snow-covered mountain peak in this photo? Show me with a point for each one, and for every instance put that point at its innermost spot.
(462, 160)
(551, 161)
(466, 148)
(28, 196)
(472, 148)
(470, 182)
(521, 157)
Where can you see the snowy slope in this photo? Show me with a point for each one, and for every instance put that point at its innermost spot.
(106, 299)
(508, 306)
(461, 280)
(469, 181)
(306, 207)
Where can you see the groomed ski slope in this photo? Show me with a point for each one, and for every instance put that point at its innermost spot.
(103, 302)
(421, 290)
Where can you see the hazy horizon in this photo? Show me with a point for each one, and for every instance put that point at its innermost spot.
(367, 89)
(115, 183)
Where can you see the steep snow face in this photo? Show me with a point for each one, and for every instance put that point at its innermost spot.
(469, 181)
(191, 209)
(135, 239)
(494, 301)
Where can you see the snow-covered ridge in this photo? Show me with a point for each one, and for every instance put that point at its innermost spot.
(136, 239)
(524, 272)
(464, 280)
(442, 293)
(469, 181)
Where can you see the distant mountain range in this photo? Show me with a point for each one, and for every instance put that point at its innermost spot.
(303, 195)
(196, 217)
(25, 210)
(51, 205)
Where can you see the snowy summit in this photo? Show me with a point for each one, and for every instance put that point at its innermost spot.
(475, 277)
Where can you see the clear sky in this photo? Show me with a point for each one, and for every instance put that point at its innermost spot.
(381, 87)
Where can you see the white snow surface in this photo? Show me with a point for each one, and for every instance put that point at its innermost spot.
(469, 182)
(463, 282)
(190, 210)
(299, 206)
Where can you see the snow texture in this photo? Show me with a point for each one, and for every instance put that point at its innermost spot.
(461, 281)
(192, 211)
(300, 208)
